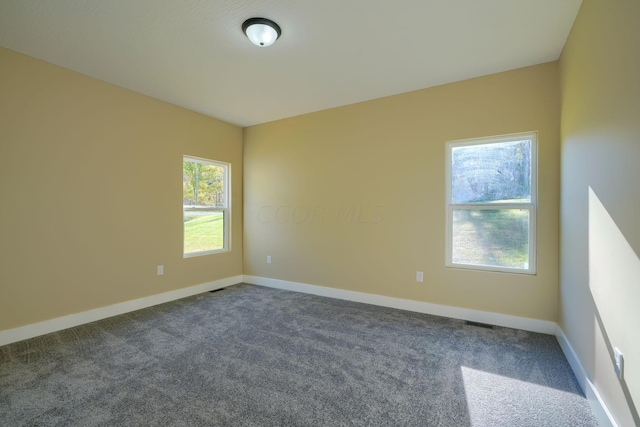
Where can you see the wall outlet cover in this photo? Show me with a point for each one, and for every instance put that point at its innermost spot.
(619, 362)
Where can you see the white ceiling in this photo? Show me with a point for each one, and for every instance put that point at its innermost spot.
(192, 53)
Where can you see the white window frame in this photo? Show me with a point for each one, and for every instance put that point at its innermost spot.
(225, 209)
(530, 206)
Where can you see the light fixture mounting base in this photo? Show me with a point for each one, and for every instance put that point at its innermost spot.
(262, 22)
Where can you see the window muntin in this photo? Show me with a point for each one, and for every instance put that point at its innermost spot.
(491, 203)
(205, 206)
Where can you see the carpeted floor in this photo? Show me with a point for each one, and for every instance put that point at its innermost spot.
(253, 356)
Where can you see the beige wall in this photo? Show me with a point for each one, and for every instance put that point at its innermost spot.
(600, 207)
(353, 197)
(90, 178)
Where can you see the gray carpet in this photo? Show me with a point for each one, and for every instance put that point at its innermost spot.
(252, 356)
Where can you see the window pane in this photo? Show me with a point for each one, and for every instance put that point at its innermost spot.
(203, 231)
(491, 237)
(496, 172)
(202, 184)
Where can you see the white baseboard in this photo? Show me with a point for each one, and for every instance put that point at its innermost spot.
(36, 329)
(598, 407)
(526, 324)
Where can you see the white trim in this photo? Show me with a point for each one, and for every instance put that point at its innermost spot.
(225, 209)
(531, 206)
(533, 325)
(203, 253)
(598, 407)
(59, 323)
(509, 137)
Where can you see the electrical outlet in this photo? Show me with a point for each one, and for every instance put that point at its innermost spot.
(419, 276)
(619, 362)
(160, 270)
(268, 259)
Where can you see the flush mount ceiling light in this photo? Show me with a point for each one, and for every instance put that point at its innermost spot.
(261, 31)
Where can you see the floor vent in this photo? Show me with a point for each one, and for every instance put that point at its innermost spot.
(217, 290)
(480, 325)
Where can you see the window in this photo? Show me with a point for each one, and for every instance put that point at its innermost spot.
(491, 203)
(205, 206)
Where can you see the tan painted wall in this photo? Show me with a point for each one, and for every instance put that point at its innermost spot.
(353, 197)
(90, 179)
(600, 208)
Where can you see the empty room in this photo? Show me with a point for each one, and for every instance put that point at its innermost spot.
(336, 213)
